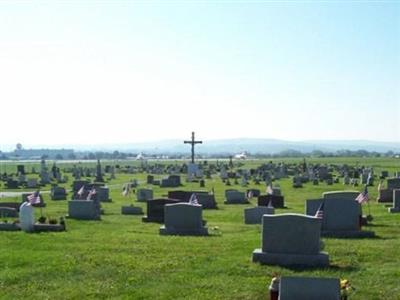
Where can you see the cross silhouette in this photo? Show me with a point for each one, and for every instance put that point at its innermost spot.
(193, 142)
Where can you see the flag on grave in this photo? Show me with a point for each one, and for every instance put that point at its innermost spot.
(91, 193)
(363, 196)
(34, 198)
(320, 211)
(193, 199)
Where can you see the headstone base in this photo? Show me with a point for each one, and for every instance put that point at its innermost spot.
(236, 202)
(196, 232)
(393, 210)
(348, 234)
(147, 219)
(48, 227)
(8, 212)
(9, 227)
(318, 260)
(131, 210)
(58, 197)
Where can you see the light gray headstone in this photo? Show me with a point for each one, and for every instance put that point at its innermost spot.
(183, 219)
(84, 210)
(144, 195)
(131, 210)
(307, 288)
(291, 239)
(254, 215)
(341, 217)
(26, 217)
(235, 197)
(103, 194)
(32, 183)
(396, 202)
(349, 195)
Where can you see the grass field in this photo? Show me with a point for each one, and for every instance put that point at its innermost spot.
(122, 258)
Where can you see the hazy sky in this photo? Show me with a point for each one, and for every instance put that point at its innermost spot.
(117, 71)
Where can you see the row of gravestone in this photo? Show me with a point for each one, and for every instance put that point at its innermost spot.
(294, 239)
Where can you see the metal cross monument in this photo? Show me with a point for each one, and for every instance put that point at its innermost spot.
(193, 142)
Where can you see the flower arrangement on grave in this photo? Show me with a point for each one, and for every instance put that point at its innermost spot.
(53, 221)
(42, 219)
(345, 289)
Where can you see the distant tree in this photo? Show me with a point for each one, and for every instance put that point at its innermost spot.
(115, 154)
(71, 156)
(59, 157)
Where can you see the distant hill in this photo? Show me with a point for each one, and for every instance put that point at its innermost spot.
(232, 146)
(267, 146)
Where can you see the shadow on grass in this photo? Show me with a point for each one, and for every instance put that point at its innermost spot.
(300, 268)
(377, 225)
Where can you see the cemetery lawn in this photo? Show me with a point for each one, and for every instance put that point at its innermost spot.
(121, 257)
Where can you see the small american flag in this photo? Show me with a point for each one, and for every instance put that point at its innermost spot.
(363, 197)
(91, 193)
(193, 199)
(126, 190)
(270, 191)
(270, 204)
(380, 186)
(34, 198)
(320, 211)
(81, 191)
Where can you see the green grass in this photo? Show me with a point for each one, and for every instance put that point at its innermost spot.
(122, 258)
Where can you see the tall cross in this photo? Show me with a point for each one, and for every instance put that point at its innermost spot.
(193, 142)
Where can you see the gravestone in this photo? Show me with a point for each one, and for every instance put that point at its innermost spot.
(103, 194)
(77, 184)
(131, 210)
(276, 201)
(8, 212)
(155, 210)
(12, 184)
(341, 217)
(386, 195)
(192, 170)
(171, 181)
(349, 195)
(24, 198)
(84, 209)
(58, 193)
(99, 175)
(276, 191)
(396, 202)
(21, 169)
(14, 205)
(291, 239)
(202, 183)
(235, 197)
(207, 201)
(255, 192)
(254, 215)
(26, 217)
(150, 179)
(183, 219)
(393, 183)
(32, 183)
(308, 288)
(144, 195)
(297, 183)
